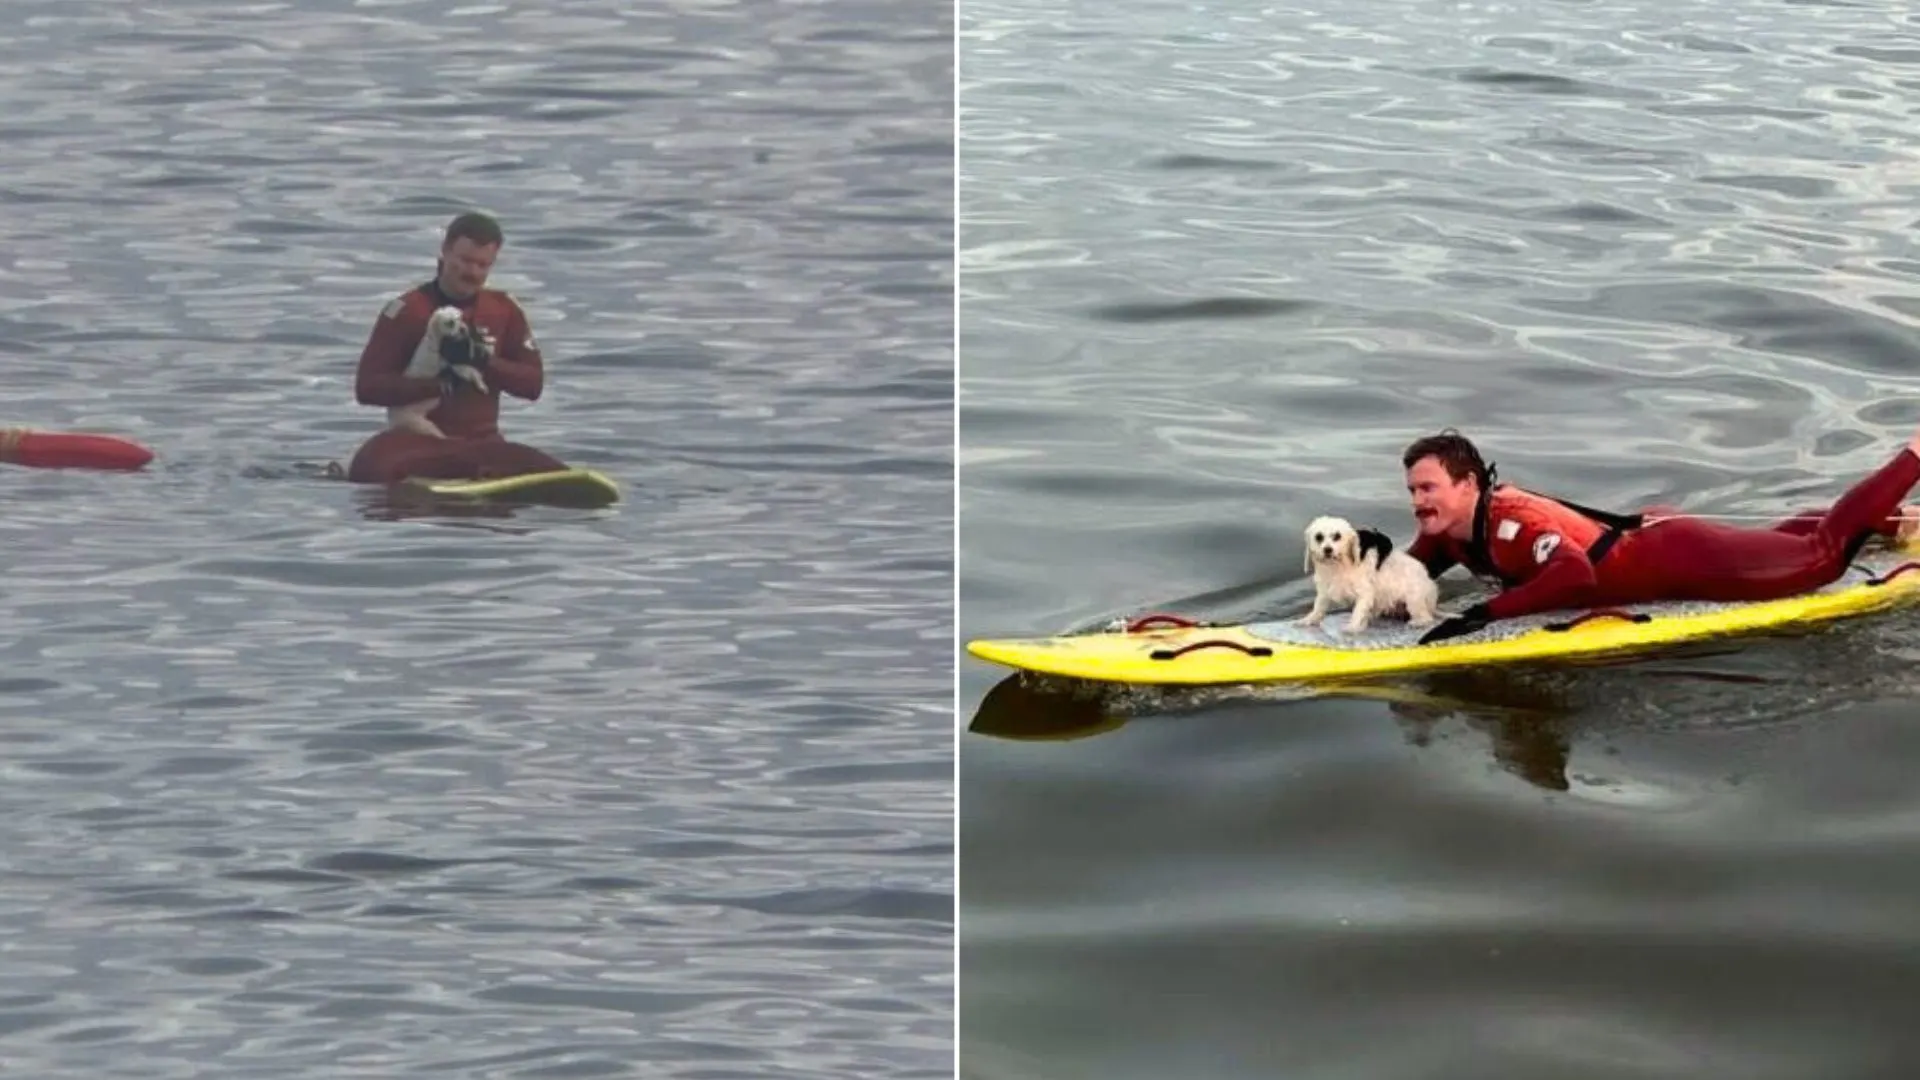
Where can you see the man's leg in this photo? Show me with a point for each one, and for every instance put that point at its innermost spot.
(1905, 519)
(1866, 508)
(1886, 487)
(495, 459)
(393, 456)
(1691, 558)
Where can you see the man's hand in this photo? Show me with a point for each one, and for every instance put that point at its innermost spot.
(1453, 626)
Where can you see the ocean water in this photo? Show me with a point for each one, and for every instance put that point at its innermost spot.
(1218, 266)
(304, 780)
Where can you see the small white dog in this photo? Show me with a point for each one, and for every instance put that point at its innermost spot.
(1360, 567)
(443, 325)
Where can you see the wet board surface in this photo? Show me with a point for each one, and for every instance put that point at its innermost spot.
(1284, 650)
(582, 488)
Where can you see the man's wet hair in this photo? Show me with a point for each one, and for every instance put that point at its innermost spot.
(1456, 454)
(480, 228)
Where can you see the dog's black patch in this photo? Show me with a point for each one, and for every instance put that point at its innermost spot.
(1376, 542)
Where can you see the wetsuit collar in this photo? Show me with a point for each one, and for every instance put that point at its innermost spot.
(1477, 555)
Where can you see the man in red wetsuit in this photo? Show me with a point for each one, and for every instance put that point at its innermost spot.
(1550, 554)
(507, 357)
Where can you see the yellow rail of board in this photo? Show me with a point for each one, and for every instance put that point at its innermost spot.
(1229, 654)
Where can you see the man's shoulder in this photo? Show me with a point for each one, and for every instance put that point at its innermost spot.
(503, 301)
(415, 301)
(1519, 502)
(1528, 525)
(1514, 514)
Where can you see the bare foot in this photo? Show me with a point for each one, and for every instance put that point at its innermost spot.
(1908, 531)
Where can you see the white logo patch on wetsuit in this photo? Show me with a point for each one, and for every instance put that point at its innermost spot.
(393, 308)
(1544, 546)
(1508, 529)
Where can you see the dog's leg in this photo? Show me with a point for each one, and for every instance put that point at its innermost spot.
(1422, 611)
(1319, 612)
(1362, 608)
(413, 418)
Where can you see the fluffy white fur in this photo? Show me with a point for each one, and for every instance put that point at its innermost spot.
(444, 323)
(1359, 567)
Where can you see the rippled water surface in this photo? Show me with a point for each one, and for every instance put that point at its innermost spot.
(303, 781)
(1219, 265)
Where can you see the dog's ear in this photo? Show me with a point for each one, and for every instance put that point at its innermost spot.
(1306, 559)
(1350, 546)
(1376, 543)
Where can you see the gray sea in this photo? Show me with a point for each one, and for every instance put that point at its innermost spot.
(301, 781)
(1219, 264)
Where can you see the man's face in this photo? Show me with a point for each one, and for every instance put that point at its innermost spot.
(464, 266)
(1440, 503)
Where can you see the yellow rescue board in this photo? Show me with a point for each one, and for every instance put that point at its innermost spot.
(1283, 651)
(582, 488)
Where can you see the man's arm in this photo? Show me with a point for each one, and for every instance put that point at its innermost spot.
(1565, 578)
(517, 367)
(380, 378)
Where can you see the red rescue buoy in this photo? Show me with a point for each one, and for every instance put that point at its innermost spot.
(70, 450)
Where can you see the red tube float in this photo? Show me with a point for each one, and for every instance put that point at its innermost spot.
(70, 450)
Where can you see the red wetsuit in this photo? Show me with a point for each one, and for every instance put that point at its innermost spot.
(1550, 555)
(474, 448)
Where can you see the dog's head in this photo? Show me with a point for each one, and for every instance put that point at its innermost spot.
(450, 335)
(1331, 540)
(446, 323)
